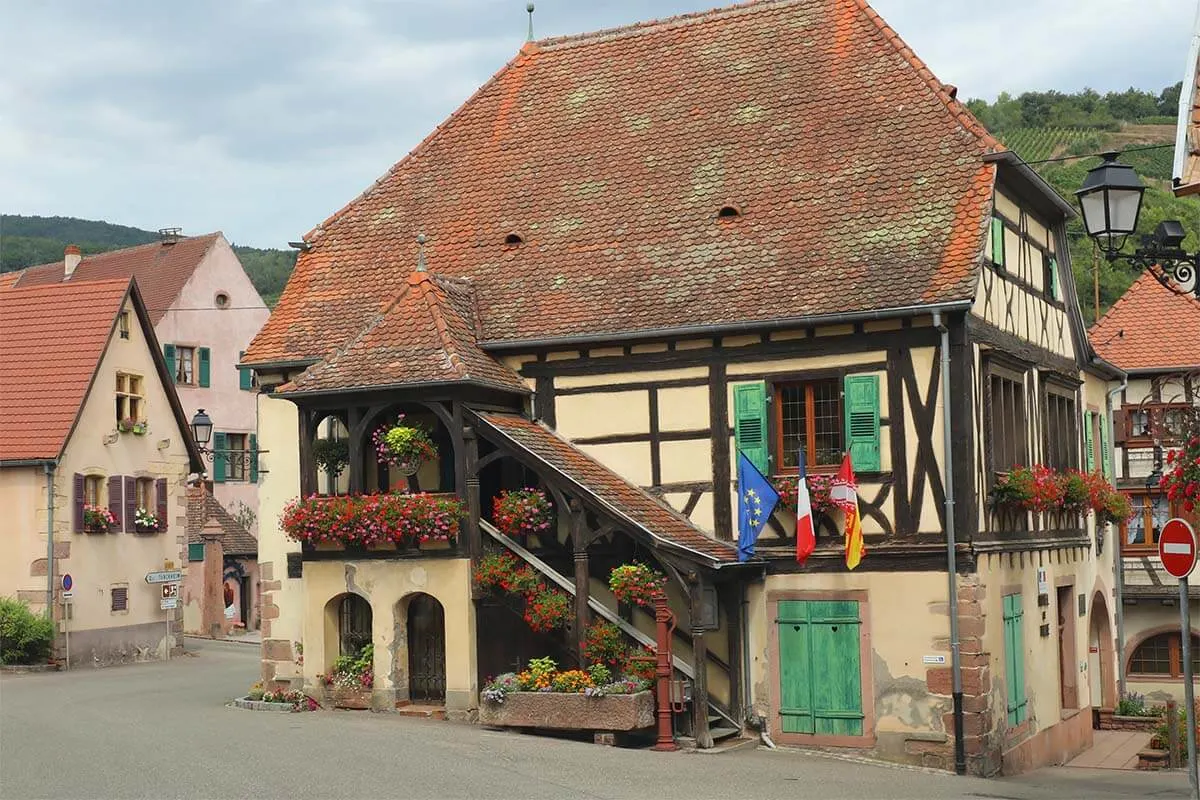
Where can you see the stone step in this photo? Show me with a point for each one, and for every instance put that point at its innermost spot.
(408, 709)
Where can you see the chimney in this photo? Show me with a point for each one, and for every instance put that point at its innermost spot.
(71, 259)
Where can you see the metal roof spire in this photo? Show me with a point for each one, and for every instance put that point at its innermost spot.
(529, 10)
(420, 252)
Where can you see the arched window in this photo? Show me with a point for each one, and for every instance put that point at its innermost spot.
(1162, 655)
(354, 625)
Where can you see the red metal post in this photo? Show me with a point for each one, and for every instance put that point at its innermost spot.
(663, 619)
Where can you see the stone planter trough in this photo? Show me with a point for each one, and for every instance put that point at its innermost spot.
(355, 699)
(575, 712)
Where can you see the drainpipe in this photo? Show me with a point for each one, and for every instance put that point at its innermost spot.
(960, 747)
(1118, 561)
(48, 468)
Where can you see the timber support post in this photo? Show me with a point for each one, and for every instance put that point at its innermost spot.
(700, 666)
(308, 467)
(579, 540)
(356, 433)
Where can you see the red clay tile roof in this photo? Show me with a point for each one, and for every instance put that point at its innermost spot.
(860, 181)
(161, 269)
(235, 540)
(427, 335)
(626, 500)
(51, 341)
(7, 279)
(1150, 328)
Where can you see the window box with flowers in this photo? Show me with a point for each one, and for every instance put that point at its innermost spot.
(366, 521)
(145, 521)
(404, 447)
(818, 497)
(577, 700)
(98, 519)
(131, 425)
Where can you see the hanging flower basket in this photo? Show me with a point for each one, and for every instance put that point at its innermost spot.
(98, 519)
(636, 583)
(546, 608)
(522, 512)
(403, 447)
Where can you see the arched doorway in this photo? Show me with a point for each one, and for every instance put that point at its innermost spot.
(1101, 655)
(354, 625)
(426, 650)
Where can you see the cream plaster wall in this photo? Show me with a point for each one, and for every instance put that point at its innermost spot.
(23, 498)
(603, 413)
(194, 320)
(388, 585)
(683, 408)
(630, 460)
(282, 597)
(686, 461)
(620, 376)
(801, 364)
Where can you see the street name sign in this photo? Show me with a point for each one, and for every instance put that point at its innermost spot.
(167, 576)
(1177, 548)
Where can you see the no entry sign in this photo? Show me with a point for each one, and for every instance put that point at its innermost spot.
(1177, 548)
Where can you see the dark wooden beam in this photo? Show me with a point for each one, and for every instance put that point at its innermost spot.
(962, 429)
(582, 580)
(718, 422)
(358, 448)
(700, 666)
(544, 400)
(474, 533)
(308, 467)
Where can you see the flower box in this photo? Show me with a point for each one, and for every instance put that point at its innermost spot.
(434, 544)
(349, 698)
(377, 546)
(572, 712)
(329, 545)
(151, 529)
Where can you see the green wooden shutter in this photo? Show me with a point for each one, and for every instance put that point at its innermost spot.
(1104, 465)
(750, 423)
(219, 447)
(169, 357)
(195, 551)
(1054, 279)
(862, 421)
(205, 367)
(998, 241)
(245, 376)
(1089, 456)
(1014, 659)
(795, 670)
(820, 679)
(254, 458)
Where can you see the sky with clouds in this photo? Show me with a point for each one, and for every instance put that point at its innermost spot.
(262, 117)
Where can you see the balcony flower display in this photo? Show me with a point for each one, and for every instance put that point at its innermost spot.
(365, 520)
(404, 447)
(818, 492)
(522, 512)
(1035, 488)
(1181, 480)
(546, 608)
(98, 519)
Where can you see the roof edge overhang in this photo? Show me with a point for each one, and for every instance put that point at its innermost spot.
(781, 323)
(29, 462)
(1159, 370)
(281, 365)
(391, 387)
(1034, 184)
(1183, 121)
(1105, 368)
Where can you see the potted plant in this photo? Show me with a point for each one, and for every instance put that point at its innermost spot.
(522, 512)
(331, 455)
(350, 681)
(403, 446)
(1181, 481)
(98, 519)
(546, 608)
(146, 522)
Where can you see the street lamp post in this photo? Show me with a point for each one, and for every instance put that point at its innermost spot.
(1111, 202)
(202, 429)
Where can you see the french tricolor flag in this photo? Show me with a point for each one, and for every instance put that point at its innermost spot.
(806, 537)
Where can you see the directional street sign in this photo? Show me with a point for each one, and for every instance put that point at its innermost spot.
(168, 576)
(1177, 548)
(168, 603)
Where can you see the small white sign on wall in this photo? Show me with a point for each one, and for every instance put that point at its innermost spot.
(1043, 584)
(933, 659)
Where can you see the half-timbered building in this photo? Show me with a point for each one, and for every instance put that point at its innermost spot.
(634, 253)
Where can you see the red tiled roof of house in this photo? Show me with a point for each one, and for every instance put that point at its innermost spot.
(861, 184)
(1150, 328)
(427, 335)
(51, 340)
(202, 507)
(627, 500)
(8, 279)
(161, 269)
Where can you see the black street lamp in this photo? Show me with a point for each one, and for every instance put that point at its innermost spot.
(1111, 201)
(201, 429)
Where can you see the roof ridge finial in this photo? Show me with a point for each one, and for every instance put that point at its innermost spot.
(529, 11)
(420, 252)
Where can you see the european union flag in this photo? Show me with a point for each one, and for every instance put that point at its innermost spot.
(756, 500)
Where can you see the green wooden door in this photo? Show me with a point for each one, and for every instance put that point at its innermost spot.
(820, 679)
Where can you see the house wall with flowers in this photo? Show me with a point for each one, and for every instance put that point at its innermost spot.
(116, 561)
(389, 585)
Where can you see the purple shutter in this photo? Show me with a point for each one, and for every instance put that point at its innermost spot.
(130, 504)
(77, 501)
(160, 495)
(115, 506)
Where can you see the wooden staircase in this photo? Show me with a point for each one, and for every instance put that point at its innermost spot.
(721, 724)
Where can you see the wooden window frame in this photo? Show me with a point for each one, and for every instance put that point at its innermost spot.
(186, 365)
(118, 595)
(1062, 391)
(94, 490)
(1156, 430)
(236, 468)
(123, 324)
(131, 397)
(1174, 656)
(774, 393)
(144, 490)
(1151, 544)
(997, 367)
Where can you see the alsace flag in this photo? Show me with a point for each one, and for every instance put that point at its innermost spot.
(806, 535)
(756, 500)
(843, 492)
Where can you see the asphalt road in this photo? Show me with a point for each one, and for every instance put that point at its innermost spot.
(163, 731)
